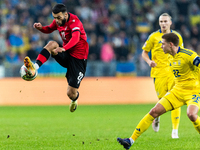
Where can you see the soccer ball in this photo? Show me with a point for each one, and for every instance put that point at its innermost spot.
(26, 74)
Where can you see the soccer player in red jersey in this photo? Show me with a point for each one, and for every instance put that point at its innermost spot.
(74, 53)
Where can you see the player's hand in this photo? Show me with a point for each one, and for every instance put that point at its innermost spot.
(152, 64)
(58, 50)
(37, 26)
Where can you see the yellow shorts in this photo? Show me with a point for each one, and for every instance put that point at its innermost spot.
(163, 85)
(176, 98)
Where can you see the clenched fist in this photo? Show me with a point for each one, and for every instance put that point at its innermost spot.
(37, 26)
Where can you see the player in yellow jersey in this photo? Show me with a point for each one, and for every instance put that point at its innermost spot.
(160, 71)
(184, 92)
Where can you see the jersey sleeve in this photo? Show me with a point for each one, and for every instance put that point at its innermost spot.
(193, 59)
(73, 41)
(181, 41)
(148, 45)
(75, 25)
(50, 28)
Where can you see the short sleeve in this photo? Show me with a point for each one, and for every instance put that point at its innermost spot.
(148, 45)
(181, 41)
(192, 57)
(75, 25)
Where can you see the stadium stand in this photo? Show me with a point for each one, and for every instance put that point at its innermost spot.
(121, 26)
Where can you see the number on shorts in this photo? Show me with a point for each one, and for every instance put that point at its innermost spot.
(80, 77)
(196, 98)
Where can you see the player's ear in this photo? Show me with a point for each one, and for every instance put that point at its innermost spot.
(170, 22)
(66, 14)
(171, 44)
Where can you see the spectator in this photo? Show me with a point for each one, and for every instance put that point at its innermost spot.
(183, 6)
(12, 57)
(16, 41)
(116, 22)
(180, 22)
(195, 32)
(194, 15)
(94, 52)
(107, 52)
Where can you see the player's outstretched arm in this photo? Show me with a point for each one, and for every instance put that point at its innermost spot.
(37, 26)
(45, 29)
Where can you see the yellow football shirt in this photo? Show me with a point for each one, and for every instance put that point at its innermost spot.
(153, 44)
(182, 65)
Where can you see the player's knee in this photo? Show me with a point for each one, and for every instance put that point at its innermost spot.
(51, 45)
(192, 116)
(153, 112)
(157, 110)
(72, 95)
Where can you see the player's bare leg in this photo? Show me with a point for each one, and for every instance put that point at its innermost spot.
(51, 47)
(73, 94)
(192, 113)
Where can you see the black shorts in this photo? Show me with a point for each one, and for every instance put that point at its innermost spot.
(75, 68)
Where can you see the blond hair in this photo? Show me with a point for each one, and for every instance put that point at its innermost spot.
(166, 14)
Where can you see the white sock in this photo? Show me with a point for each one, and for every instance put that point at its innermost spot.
(36, 66)
(175, 131)
(131, 140)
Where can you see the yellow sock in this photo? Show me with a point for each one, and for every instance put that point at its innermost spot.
(175, 116)
(197, 124)
(142, 126)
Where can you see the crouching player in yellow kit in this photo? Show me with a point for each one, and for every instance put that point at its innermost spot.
(185, 91)
(160, 69)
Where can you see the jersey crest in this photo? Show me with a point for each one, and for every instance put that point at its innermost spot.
(62, 33)
(179, 62)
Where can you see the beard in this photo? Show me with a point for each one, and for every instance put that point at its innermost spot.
(63, 22)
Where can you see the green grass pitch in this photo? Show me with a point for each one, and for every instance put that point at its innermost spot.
(88, 128)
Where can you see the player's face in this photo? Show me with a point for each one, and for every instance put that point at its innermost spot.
(166, 46)
(60, 18)
(165, 23)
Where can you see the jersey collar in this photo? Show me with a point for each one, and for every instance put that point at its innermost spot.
(161, 31)
(68, 17)
(178, 50)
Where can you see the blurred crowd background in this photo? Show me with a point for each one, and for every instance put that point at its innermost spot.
(116, 30)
